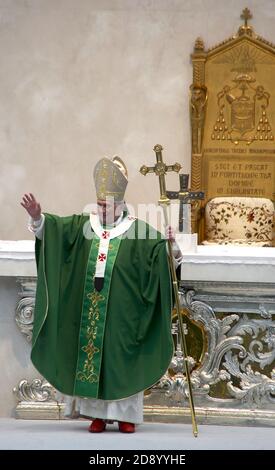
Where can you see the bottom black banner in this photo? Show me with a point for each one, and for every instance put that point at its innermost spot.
(126, 458)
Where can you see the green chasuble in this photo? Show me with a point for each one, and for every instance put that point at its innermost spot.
(109, 344)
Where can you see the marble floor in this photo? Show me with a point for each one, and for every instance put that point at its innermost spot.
(72, 434)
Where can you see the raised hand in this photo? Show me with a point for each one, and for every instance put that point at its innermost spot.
(31, 205)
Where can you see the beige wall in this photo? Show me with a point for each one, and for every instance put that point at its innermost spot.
(81, 79)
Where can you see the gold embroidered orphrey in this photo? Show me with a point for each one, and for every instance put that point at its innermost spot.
(232, 112)
(88, 373)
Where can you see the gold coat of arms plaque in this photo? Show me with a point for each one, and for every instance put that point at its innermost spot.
(232, 108)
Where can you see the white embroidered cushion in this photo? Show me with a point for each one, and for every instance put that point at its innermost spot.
(239, 221)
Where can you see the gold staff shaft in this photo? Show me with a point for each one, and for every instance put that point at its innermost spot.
(160, 170)
(181, 327)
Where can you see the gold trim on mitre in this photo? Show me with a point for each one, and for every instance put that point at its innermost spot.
(109, 178)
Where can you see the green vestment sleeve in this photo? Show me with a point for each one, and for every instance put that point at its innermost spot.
(137, 345)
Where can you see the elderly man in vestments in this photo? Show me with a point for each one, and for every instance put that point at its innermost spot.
(102, 323)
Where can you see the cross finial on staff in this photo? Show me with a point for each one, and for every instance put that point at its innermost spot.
(246, 15)
(160, 169)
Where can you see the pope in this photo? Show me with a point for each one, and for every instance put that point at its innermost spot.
(102, 322)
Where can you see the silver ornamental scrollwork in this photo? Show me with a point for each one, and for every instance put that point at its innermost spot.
(254, 387)
(176, 386)
(264, 312)
(209, 372)
(37, 399)
(218, 343)
(226, 358)
(39, 390)
(24, 314)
